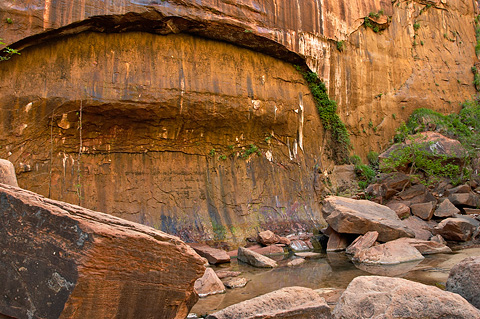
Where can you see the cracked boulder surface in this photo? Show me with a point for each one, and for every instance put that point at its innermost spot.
(176, 96)
(63, 261)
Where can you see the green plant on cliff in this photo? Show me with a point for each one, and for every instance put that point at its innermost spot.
(340, 46)
(476, 78)
(7, 52)
(253, 149)
(330, 120)
(416, 157)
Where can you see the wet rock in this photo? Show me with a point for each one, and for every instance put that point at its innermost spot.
(291, 302)
(426, 247)
(209, 284)
(308, 255)
(392, 270)
(57, 257)
(268, 250)
(392, 252)
(295, 262)
(423, 210)
(446, 209)
(213, 255)
(336, 241)
(459, 229)
(237, 282)
(255, 259)
(420, 227)
(300, 245)
(464, 199)
(351, 216)
(387, 297)
(7, 173)
(362, 242)
(464, 280)
(402, 210)
(227, 273)
(267, 237)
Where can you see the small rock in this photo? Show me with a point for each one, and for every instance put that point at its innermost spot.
(459, 189)
(446, 209)
(439, 239)
(423, 210)
(402, 210)
(392, 252)
(267, 237)
(7, 173)
(464, 280)
(336, 241)
(308, 255)
(426, 247)
(472, 211)
(237, 282)
(362, 242)
(458, 229)
(255, 259)
(209, 284)
(387, 297)
(283, 240)
(214, 256)
(420, 227)
(268, 250)
(295, 262)
(290, 302)
(464, 199)
(226, 273)
(299, 245)
(397, 181)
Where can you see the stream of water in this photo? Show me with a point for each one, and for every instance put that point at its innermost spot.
(332, 270)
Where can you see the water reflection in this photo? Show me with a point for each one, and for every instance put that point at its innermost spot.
(333, 270)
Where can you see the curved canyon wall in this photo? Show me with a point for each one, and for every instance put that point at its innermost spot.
(189, 116)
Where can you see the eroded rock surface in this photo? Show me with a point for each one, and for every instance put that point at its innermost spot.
(61, 260)
(290, 302)
(386, 297)
(464, 280)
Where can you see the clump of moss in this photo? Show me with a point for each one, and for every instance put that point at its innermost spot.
(330, 120)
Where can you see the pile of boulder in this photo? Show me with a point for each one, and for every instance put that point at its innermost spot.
(374, 233)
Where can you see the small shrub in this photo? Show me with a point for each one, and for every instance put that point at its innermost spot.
(340, 46)
(372, 158)
(416, 26)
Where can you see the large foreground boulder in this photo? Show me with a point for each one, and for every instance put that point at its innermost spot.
(290, 302)
(60, 260)
(352, 216)
(386, 297)
(464, 279)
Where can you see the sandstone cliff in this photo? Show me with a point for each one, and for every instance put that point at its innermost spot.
(154, 110)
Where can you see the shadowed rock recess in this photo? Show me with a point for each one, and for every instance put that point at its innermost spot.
(188, 116)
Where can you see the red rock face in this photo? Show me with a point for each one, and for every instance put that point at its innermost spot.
(64, 261)
(155, 102)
